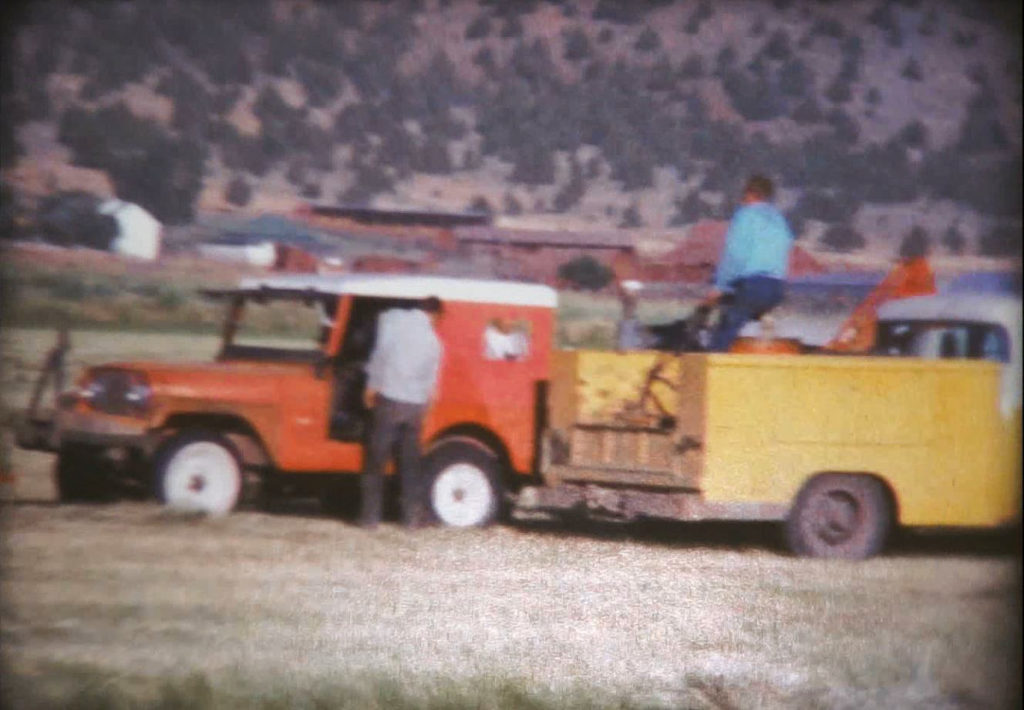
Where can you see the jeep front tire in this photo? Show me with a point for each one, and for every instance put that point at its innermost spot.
(199, 472)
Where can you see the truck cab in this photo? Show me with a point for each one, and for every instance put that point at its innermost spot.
(286, 411)
(975, 326)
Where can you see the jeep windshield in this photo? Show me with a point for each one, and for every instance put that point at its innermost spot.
(275, 325)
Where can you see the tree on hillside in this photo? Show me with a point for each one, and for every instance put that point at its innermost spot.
(480, 27)
(912, 70)
(778, 46)
(512, 206)
(631, 217)
(480, 205)
(146, 164)
(238, 191)
(534, 165)
(71, 219)
(838, 92)
(914, 134)
(572, 192)
(690, 209)
(433, 156)
(705, 11)
(825, 206)
(953, 239)
(795, 79)
(981, 130)
(624, 12)
(1001, 241)
(513, 27)
(647, 41)
(576, 44)
(808, 112)
(916, 243)
(692, 67)
(754, 99)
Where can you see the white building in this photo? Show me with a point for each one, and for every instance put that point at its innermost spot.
(261, 253)
(138, 232)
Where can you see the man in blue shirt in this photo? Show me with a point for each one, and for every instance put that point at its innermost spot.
(402, 375)
(754, 261)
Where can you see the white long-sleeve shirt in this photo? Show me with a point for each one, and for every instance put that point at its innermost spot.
(406, 359)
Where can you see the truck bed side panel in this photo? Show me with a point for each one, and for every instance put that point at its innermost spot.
(932, 430)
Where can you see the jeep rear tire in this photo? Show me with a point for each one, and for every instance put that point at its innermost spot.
(463, 486)
(837, 515)
(199, 472)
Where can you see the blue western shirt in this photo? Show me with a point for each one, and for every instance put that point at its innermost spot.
(757, 244)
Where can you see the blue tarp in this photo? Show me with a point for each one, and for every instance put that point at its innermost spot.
(985, 282)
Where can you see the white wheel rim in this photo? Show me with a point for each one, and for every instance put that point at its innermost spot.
(462, 496)
(204, 477)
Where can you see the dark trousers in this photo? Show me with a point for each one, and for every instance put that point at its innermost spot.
(394, 424)
(753, 296)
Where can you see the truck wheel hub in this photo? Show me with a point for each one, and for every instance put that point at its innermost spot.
(461, 495)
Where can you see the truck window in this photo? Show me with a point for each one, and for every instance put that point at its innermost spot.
(506, 339)
(285, 327)
(943, 340)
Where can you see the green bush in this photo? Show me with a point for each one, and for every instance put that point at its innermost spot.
(647, 41)
(576, 44)
(70, 218)
(953, 239)
(479, 28)
(842, 238)
(585, 272)
(238, 191)
(1001, 241)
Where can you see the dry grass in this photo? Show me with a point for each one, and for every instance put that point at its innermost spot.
(265, 606)
(127, 606)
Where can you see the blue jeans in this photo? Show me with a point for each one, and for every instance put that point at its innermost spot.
(753, 296)
(394, 424)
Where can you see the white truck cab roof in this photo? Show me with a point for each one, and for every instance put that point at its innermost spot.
(996, 309)
(446, 288)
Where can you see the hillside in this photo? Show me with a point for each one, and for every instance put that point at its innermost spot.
(875, 117)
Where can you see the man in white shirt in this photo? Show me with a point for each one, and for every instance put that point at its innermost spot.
(402, 375)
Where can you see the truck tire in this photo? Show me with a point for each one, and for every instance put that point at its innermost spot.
(837, 515)
(463, 486)
(82, 475)
(199, 472)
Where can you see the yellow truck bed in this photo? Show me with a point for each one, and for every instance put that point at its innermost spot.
(748, 431)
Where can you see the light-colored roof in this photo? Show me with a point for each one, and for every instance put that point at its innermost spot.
(413, 286)
(984, 308)
(546, 237)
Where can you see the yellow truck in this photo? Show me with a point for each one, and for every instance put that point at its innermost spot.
(923, 432)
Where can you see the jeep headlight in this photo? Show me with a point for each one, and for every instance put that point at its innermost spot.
(114, 391)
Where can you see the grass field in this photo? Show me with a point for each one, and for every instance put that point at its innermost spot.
(108, 606)
(127, 605)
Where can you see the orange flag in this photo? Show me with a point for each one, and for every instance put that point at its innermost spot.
(911, 277)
